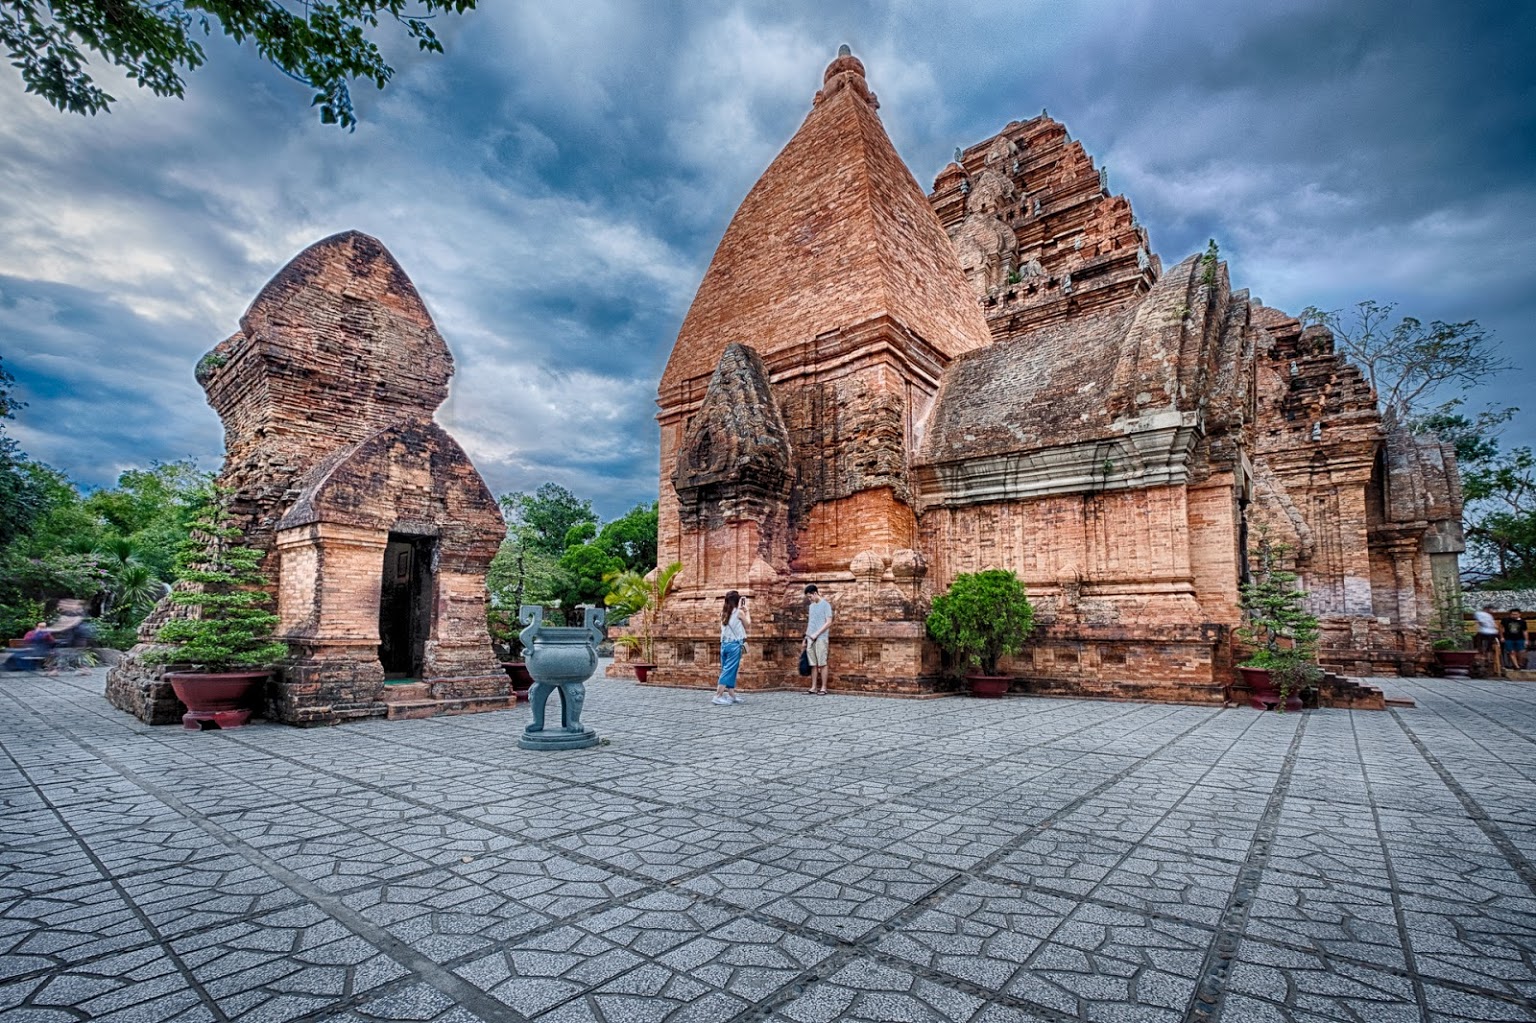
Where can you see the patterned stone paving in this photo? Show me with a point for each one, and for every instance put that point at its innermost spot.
(785, 860)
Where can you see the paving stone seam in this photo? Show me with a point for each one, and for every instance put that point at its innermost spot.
(1404, 941)
(187, 976)
(1517, 861)
(864, 947)
(424, 969)
(1209, 997)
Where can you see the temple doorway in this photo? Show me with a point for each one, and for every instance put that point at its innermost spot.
(405, 604)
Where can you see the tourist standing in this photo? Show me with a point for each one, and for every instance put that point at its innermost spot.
(733, 638)
(1487, 634)
(1514, 640)
(817, 624)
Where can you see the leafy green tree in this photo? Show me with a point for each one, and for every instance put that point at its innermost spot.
(1499, 487)
(152, 508)
(541, 520)
(324, 44)
(21, 499)
(632, 537)
(585, 566)
(982, 617)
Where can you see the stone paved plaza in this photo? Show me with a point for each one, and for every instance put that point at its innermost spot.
(787, 859)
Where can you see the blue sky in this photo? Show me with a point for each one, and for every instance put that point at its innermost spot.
(557, 182)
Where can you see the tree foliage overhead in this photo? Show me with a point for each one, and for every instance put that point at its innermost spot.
(324, 44)
(542, 520)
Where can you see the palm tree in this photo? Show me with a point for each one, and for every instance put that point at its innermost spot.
(630, 593)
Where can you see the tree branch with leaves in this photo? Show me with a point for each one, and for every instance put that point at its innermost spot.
(324, 45)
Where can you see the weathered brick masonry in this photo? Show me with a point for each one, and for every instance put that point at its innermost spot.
(875, 392)
(359, 499)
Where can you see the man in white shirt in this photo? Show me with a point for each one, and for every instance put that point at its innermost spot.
(817, 624)
(1487, 634)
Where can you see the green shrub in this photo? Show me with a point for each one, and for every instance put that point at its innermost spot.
(981, 618)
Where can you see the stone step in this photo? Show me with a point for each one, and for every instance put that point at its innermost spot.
(406, 709)
(406, 692)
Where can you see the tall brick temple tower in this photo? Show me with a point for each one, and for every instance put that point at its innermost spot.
(793, 396)
(876, 391)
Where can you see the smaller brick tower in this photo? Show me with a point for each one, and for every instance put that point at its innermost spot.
(377, 528)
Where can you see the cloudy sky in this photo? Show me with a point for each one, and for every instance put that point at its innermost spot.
(556, 184)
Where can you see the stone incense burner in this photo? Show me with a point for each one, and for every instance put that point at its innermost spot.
(563, 658)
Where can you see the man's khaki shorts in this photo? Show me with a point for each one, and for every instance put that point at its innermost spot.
(817, 651)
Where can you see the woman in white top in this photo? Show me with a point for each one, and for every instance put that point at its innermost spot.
(733, 636)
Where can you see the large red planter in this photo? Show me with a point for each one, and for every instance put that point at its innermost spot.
(989, 687)
(517, 671)
(1457, 663)
(642, 670)
(1262, 694)
(218, 699)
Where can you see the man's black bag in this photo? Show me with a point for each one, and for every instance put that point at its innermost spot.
(805, 663)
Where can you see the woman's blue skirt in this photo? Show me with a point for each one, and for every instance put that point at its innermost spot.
(730, 661)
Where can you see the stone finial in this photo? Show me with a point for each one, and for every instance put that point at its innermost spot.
(845, 61)
(846, 72)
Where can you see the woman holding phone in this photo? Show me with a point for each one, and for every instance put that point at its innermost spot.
(733, 636)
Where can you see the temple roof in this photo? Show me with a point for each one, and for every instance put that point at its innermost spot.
(835, 233)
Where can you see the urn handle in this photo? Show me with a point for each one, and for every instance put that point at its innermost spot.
(532, 616)
(596, 624)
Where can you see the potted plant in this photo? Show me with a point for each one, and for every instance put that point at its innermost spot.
(1281, 630)
(629, 594)
(224, 637)
(1451, 640)
(981, 618)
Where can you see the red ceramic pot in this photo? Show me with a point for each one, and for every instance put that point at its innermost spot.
(1262, 694)
(642, 670)
(217, 699)
(989, 687)
(517, 671)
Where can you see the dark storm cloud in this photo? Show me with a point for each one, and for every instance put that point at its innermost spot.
(556, 184)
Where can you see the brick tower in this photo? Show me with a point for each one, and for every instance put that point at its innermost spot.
(792, 397)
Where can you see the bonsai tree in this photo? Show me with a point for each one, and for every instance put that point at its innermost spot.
(229, 628)
(1277, 624)
(981, 618)
(630, 593)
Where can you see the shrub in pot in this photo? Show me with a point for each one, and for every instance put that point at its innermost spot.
(630, 594)
(1283, 633)
(224, 640)
(981, 618)
(1452, 642)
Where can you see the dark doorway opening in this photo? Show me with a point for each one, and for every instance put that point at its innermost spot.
(405, 604)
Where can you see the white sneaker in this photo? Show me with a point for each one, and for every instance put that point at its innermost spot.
(722, 701)
(735, 698)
